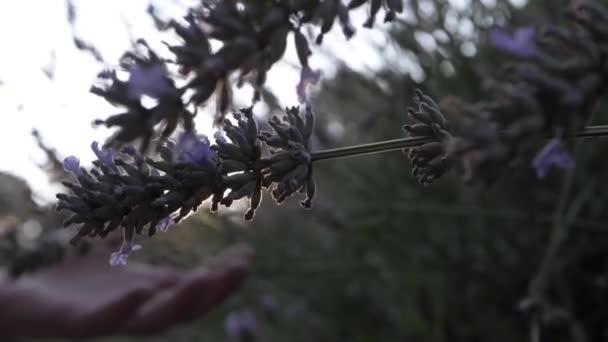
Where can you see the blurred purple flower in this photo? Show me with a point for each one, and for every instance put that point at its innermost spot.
(519, 43)
(219, 137)
(120, 257)
(270, 305)
(308, 76)
(130, 150)
(241, 325)
(165, 223)
(72, 164)
(553, 154)
(104, 155)
(147, 80)
(193, 148)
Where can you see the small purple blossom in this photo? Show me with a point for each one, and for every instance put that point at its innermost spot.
(193, 148)
(241, 325)
(519, 43)
(308, 77)
(129, 150)
(104, 155)
(553, 154)
(147, 80)
(120, 257)
(165, 223)
(72, 164)
(219, 137)
(269, 304)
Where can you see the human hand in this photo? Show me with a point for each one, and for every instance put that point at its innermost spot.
(85, 297)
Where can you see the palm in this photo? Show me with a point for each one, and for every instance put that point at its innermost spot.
(85, 297)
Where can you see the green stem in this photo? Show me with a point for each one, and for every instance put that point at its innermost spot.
(398, 144)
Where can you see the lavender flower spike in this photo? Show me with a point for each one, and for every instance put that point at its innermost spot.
(72, 164)
(308, 77)
(553, 154)
(120, 257)
(518, 43)
(104, 155)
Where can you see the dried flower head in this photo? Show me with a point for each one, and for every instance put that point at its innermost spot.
(429, 160)
(289, 168)
(136, 194)
(241, 164)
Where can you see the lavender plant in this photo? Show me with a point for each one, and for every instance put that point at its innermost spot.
(550, 90)
(139, 194)
(129, 191)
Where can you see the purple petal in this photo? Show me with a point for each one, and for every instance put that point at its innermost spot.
(104, 155)
(165, 223)
(147, 80)
(119, 258)
(270, 304)
(240, 323)
(519, 43)
(553, 154)
(193, 148)
(130, 150)
(308, 77)
(72, 164)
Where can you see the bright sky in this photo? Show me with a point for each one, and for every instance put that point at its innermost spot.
(31, 31)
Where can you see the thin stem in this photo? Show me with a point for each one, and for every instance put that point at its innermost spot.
(397, 144)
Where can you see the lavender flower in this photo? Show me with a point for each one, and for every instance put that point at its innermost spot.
(553, 154)
(519, 43)
(130, 150)
(308, 76)
(219, 137)
(270, 305)
(120, 257)
(241, 325)
(104, 155)
(165, 223)
(72, 164)
(193, 148)
(147, 80)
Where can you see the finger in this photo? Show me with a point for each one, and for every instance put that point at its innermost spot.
(81, 304)
(107, 319)
(197, 294)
